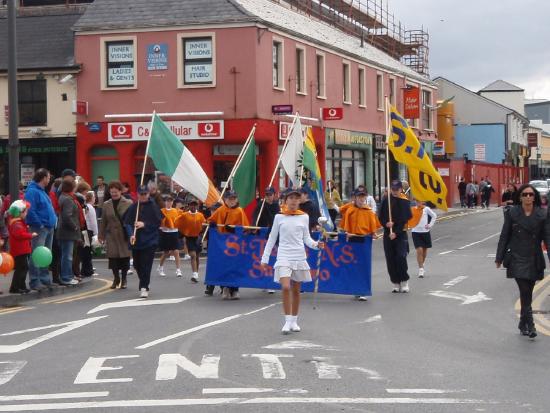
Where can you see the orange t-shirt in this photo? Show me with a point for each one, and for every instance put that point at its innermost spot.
(343, 210)
(416, 216)
(229, 216)
(170, 216)
(360, 221)
(189, 224)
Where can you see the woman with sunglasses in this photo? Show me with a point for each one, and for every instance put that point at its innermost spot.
(519, 250)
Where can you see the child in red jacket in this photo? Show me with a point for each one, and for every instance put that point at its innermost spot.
(20, 246)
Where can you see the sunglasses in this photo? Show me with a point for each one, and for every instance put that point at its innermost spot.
(526, 194)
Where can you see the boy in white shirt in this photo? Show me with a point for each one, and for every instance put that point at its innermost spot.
(420, 229)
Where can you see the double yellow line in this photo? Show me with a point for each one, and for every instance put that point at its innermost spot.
(76, 297)
(541, 291)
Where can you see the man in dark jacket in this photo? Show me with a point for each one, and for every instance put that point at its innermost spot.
(462, 192)
(396, 243)
(144, 240)
(41, 219)
(310, 209)
(270, 209)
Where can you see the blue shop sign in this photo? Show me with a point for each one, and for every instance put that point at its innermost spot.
(94, 127)
(157, 56)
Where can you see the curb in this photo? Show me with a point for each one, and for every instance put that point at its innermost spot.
(14, 300)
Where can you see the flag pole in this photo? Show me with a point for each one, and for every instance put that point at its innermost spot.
(388, 178)
(277, 164)
(143, 169)
(232, 173)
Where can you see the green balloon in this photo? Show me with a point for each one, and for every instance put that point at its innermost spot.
(41, 257)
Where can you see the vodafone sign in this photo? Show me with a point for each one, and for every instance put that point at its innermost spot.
(185, 130)
(333, 113)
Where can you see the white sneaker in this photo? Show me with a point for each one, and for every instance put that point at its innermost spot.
(405, 287)
(186, 257)
(396, 288)
(171, 258)
(271, 291)
(362, 298)
(144, 293)
(178, 273)
(288, 324)
(130, 272)
(161, 272)
(195, 277)
(72, 282)
(226, 293)
(421, 272)
(294, 324)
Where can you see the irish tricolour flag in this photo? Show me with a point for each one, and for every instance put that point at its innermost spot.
(175, 160)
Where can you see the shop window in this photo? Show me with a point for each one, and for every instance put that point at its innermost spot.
(32, 102)
(427, 122)
(361, 85)
(380, 91)
(120, 63)
(346, 78)
(300, 71)
(196, 60)
(320, 75)
(278, 69)
(105, 162)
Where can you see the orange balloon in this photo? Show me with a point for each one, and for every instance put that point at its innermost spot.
(7, 263)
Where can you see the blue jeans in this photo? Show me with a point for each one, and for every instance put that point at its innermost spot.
(66, 247)
(37, 275)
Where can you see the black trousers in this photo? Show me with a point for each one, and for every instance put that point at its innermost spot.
(525, 295)
(87, 267)
(396, 257)
(333, 214)
(143, 263)
(21, 268)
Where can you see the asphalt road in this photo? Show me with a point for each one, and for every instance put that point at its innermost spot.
(449, 345)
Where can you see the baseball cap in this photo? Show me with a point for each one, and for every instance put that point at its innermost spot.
(68, 172)
(230, 194)
(396, 184)
(269, 190)
(360, 190)
(290, 191)
(142, 189)
(193, 201)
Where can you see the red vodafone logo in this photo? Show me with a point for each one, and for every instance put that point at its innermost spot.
(208, 129)
(333, 113)
(121, 131)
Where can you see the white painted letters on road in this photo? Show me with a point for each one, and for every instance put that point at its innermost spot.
(168, 366)
(325, 368)
(94, 365)
(272, 368)
(8, 369)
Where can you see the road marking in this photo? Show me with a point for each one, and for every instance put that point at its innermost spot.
(75, 297)
(455, 281)
(12, 368)
(491, 255)
(272, 368)
(466, 299)
(244, 390)
(325, 368)
(168, 366)
(373, 374)
(69, 326)
(372, 319)
(202, 327)
(479, 242)
(94, 365)
(54, 396)
(233, 401)
(299, 345)
(440, 238)
(14, 310)
(542, 289)
(423, 391)
(137, 303)
(445, 252)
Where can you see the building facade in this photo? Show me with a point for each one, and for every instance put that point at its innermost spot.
(243, 61)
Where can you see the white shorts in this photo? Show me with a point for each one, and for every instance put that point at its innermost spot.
(298, 271)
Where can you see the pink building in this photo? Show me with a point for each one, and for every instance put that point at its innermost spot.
(245, 59)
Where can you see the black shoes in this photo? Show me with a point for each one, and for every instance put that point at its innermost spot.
(115, 283)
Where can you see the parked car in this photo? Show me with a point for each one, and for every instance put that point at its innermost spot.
(541, 186)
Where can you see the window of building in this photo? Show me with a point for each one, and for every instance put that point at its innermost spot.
(120, 64)
(196, 60)
(346, 77)
(427, 122)
(346, 168)
(32, 102)
(380, 91)
(361, 84)
(300, 71)
(392, 91)
(320, 69)
(278, 64)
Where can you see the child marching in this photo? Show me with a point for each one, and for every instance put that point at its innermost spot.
(422, 221)
(169, 242)
(291, 227)
(190, 225)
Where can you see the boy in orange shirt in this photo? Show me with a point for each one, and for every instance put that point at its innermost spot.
(359, 219)
(190, 225)
(228, 214)
(168, 242)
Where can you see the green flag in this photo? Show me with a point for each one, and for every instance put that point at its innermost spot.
(244, 180)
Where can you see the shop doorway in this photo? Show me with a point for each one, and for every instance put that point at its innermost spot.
(105, 163)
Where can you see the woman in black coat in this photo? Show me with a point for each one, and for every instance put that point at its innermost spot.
(519, 250)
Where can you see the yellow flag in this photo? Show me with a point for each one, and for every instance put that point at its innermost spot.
(426, 183)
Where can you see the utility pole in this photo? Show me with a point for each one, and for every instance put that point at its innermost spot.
(13, 141)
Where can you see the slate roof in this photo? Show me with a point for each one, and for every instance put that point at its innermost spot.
(43, 42)
(501, 86)
(135, 14)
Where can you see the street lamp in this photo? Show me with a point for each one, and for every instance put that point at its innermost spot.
(13, 140)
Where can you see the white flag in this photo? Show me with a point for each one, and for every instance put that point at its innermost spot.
(290, 158)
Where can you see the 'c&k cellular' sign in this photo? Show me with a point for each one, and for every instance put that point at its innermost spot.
(185, 130)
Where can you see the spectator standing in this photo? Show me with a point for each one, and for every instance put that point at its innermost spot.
(101, 194)
(92, 233)
(509, 195)
(462, 192)
(41, 219)
(20, 245)
(71, 219)
(333, 200)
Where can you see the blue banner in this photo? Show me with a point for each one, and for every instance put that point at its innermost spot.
(234, 261)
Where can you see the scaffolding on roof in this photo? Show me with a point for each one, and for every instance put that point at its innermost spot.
(374, 24)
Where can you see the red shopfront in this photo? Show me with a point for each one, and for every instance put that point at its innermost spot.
(116, 149)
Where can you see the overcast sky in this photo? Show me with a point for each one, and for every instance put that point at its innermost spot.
(474, 42)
